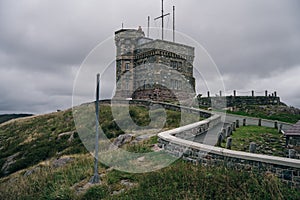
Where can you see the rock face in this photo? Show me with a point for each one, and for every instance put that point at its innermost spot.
(70, 134)
(31, 171)
(61, 161)
(9, 161)
(121, 140)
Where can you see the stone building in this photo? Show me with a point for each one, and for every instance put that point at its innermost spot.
(151, 68)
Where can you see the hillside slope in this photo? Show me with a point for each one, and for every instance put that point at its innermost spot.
(7, 117)
(42, 157)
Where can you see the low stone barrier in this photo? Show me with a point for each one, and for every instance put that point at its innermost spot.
(284, 168)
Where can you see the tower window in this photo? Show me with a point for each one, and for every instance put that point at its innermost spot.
(126, 66)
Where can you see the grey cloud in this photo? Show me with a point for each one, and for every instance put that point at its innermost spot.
(43, 43)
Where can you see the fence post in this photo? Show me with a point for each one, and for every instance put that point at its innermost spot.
(244, 122)
(228, 131)
(228, 143)
(259, 122)
(292, 153)
(237, 123)
(280, 128)
(276, 124)
(252, 147)
(220, 138)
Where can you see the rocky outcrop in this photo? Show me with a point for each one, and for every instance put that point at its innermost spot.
(121, 140)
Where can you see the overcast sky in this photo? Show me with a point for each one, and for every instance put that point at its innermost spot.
(254, 43)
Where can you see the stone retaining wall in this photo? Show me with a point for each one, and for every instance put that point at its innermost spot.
(284, 168)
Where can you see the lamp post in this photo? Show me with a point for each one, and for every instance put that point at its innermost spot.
(95, 178)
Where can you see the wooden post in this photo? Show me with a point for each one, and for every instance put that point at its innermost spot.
(259, 122)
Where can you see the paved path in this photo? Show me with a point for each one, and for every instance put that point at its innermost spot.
(253, 121)
(211, 136)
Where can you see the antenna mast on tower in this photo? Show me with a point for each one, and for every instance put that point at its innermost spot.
(162, 19)
(173, 23)
(148, 30)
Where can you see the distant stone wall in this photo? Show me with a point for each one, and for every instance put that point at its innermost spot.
(239, 100)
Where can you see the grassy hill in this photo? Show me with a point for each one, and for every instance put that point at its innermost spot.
(25, 142)
(7, 117)
(42, 157)
(268, 140)
(179, 181)
(272, 112)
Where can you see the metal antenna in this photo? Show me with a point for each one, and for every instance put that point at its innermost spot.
(95, 178)
(148, 26)
(173, 23)
(162, 19)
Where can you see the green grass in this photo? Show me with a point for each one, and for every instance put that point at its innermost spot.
(280, 113)
(143, 146)
(187, 181)
(181, 180)
(268, 140)
(36, 139)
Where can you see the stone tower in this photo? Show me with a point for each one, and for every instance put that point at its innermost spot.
(152, 69)
(126, 43)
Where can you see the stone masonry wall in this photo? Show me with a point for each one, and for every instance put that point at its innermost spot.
(240, 100)
(286, 169)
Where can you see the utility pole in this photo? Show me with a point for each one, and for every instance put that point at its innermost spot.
(162, 19)
(95, 178)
